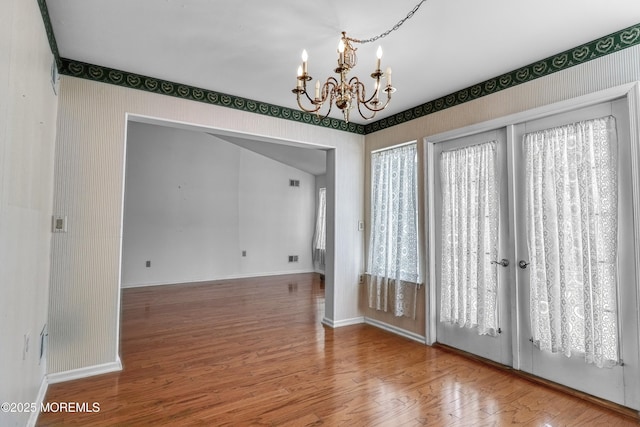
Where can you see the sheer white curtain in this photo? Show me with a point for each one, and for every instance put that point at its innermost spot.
(393, 263)
(572, 223)
(320, 234)
(470, 200)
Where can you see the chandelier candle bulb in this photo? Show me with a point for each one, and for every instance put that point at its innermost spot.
(318, 90)
(389, 76)
(379, 56)
(299, 80)
(305, 57)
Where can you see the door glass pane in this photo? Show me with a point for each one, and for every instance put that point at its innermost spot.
(572, 222)
(469, 237)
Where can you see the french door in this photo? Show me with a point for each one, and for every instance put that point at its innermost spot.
(522, 230)
(473, 297)
(612, 268)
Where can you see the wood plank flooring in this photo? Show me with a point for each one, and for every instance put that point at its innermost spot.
(253, 352)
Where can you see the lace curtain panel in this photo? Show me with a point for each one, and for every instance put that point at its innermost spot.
(468, 296)
(320, 234)
(393, 263)
(572, 227)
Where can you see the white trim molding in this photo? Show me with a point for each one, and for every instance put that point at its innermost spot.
(218, 279)
(86, 372)
(341, 323)
(42, 392)
(394, 329)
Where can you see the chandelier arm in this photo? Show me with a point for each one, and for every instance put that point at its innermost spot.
(329, 93)
(328, 90)
(376, 109)
(317, 107)
(368, 103)
(361, 94)
(307, 95)
(328, 112)
(358, 94)
(363, 114)
(331, 84)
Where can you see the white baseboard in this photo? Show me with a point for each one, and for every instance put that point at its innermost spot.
(341, 323)
(232, 277)
(394, 329)
(42, 392)
(88, 371)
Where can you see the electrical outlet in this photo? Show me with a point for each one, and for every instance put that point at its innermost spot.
(59, 224)
(148, 263)
(244, 253)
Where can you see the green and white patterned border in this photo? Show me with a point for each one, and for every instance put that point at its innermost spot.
(44, 11)
(579, 55)
(163, 87)
(604, 46)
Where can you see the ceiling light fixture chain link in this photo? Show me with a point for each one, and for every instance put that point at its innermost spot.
(395, 27)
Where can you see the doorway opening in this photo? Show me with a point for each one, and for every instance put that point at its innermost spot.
(200, 204)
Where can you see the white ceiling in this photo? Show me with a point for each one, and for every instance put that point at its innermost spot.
(251, 48)
(312, 161)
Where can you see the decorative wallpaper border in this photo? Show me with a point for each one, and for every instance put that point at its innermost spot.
(601, 47)
(44, 11)
(150, 84)
(595, 49)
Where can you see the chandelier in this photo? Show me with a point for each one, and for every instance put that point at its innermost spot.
(344, 92)
(347, 93)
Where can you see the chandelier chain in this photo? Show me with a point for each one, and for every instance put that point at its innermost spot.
(395, 27)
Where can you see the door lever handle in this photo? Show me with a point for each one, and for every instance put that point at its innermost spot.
(503, 262)
(522, 264)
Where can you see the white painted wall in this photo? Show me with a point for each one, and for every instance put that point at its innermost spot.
(88, 188)
(28, 109)
(194, 202)
(276, 220)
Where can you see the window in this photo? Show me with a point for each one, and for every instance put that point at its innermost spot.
(393, 262)
(320, 235)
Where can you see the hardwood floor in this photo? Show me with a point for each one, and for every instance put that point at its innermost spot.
(253, 352)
